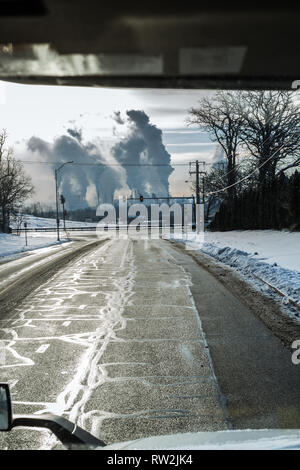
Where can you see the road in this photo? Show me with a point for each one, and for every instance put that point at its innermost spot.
(133, 338)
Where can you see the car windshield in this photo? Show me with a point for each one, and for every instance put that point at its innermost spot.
(149, 260)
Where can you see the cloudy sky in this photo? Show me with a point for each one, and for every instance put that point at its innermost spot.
(47, 112)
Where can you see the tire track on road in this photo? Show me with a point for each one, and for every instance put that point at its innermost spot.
(12, 295)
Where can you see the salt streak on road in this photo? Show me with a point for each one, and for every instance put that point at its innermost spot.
(113, 342)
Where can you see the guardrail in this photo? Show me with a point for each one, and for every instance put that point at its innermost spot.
(282, 294)
(53, 229)
(91, 229)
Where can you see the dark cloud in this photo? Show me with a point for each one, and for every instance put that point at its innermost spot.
(166, 111)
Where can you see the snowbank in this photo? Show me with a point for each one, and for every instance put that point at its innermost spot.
(271, 246)
(273, 256)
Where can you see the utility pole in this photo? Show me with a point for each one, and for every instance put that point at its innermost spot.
(57, 219)
(197, 183)
(25, 227)
(197, 172)
(203, 184)
(56, 195)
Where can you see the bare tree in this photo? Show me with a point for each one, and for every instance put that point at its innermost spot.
(15, 185)
(271, 131)
(213, 182)
(18, 218)
(220, 116)
(216, 179)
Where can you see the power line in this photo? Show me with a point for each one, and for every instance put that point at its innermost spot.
(32, 162)
(248, 176)
(107, 164)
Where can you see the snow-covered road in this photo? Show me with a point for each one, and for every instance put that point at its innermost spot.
(114, 343)
(134, 339)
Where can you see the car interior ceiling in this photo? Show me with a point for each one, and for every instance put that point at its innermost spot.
(252, 46)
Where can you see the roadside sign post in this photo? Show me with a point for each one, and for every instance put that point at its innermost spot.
(65, 213)
(25, 227)
(63, 200)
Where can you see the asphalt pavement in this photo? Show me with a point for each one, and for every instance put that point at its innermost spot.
(132, 338)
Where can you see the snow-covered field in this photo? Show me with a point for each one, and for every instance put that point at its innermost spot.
(269, 246)
(38, 222)
(273, 256)
(13, 245)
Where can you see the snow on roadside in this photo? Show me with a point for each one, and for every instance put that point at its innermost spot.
(273, 256)
(42, 222)
(11, 245)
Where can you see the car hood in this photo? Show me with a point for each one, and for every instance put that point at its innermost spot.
(220, 440)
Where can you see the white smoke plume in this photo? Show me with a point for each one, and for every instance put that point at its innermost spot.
(83, 183)
(218, 157)
(144, 156)
(138, 161)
